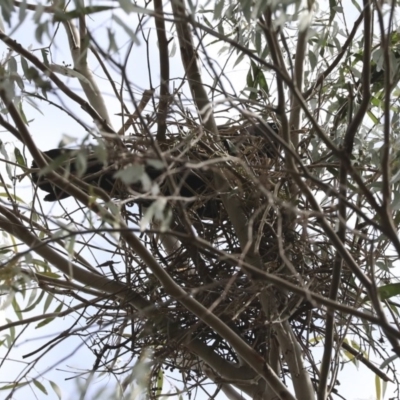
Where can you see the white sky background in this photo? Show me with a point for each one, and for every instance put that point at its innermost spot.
(47, 131)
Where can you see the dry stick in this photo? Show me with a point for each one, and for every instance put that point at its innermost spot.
(78, 45)
(336, 61)
(123, 290)
(231, 203)
(348, 145)
(269, 305)
(386, 192)
(147, 94)
(65, 184)
(229, 391)
(164, 71)
(389, 228)
(109, 78)
(87, 278)
(336, 278)
(286, 338)
(360, 357)
(33, 7)
(293, 353)
(13, 226)
(42, 317)
(200, 96)
(262, 276)
(254, 360)
(60, 84)
(268, 278)
(328, 230)
(295, 107)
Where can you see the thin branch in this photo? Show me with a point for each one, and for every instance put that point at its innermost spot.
(64, 88)
(164, 70)
(337, 59)
(348, 145)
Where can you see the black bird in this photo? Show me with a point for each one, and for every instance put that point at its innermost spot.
(192, 185)
(64, 158)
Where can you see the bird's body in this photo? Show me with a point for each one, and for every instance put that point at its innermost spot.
(65, 158)
(98, 175)
(190, 184)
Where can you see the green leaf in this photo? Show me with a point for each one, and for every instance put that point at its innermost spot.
(48, 320)
(24, 65)
(219, 6)
(261, 82)
(384, 387)
(131, 174)
(160, 382)
(41, 29)
(45, 58)
(112, 44)
(258, 41)
(239, 60)
(12, 66)
(378, 387)
(22, 114)
(17, 309)
(7, 8)
(246, 6)
(14, 385)
(153, 162)
(70, 245)
(332, 9)
(81, 163)
(388, 291)
(47, 303)
(40, 386)
(3, 151)
(33, 303)
(356, 5)
(388, 361)
(313, 59)
(249, 78)
(56, 389)
(155, 210)
(394, 309)
(66, 16)
(396, 201)
(172, 49)
(11, 336)
(19, 157)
